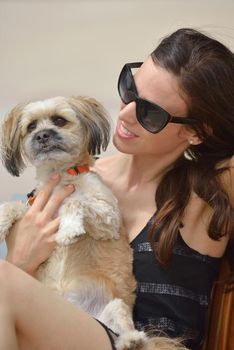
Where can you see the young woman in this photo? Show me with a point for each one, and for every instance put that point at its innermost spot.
(173, 176)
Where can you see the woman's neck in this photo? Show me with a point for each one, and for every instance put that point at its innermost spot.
(139, 171)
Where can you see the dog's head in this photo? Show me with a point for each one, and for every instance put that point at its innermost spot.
(57, 130)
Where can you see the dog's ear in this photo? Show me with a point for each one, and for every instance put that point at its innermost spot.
(11, 142)
(95, 122)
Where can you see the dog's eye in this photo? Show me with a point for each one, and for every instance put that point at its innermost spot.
(32, 126)
(59, 121)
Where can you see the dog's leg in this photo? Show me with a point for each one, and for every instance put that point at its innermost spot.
(9, 213)
(102, 219)
(71, 223)
(98, 217)
(117, 316)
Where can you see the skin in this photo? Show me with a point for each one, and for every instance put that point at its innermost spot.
(133, 174)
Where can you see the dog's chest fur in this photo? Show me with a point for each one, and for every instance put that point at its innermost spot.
(91, 272)
(93, 265)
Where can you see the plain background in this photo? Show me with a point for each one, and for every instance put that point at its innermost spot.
(50, 48)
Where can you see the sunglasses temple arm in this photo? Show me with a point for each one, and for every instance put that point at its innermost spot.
(134, 64)
(180, 120)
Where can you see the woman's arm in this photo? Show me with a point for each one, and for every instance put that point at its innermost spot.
(32, 238)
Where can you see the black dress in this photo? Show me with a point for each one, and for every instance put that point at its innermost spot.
(173, 301)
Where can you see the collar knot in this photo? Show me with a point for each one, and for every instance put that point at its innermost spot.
(78, 169)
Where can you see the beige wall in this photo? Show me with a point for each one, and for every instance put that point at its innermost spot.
(51, 48)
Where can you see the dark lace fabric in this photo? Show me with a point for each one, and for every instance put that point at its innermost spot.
(173, 301)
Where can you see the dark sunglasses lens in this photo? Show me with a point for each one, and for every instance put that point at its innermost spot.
(152, 117)
(126, 86)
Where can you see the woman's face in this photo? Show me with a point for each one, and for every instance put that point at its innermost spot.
(159, 86)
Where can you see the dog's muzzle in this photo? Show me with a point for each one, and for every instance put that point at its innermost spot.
(47, 140)
(44, 136)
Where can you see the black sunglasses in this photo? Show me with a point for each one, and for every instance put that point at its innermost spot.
(152, 117)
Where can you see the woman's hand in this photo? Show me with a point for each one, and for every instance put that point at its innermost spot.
(32, 239)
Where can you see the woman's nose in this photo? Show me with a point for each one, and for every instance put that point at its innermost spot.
(128, 112)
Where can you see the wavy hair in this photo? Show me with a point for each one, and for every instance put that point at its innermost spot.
(204, 69)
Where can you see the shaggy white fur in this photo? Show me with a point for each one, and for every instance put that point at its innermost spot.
(92, 264)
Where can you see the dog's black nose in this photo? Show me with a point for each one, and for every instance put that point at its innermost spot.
(44, 135)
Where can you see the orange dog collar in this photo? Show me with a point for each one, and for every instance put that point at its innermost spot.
(78, 169)
(75, 170)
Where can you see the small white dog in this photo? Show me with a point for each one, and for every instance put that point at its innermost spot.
(92, 264)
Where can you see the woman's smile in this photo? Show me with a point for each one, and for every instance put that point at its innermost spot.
(124, 132)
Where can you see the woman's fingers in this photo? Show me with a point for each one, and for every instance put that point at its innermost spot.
(48, 201)
(30, 245)
(44, 194)
(55, 201)
(33, 237)
(52, 228)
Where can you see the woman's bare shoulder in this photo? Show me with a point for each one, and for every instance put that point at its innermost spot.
(106, 167)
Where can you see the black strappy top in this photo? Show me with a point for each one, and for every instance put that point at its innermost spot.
(173, 300)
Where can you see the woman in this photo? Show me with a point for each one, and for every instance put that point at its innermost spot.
(173, 177)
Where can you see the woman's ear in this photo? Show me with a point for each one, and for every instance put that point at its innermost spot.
(194, 140)
(190, 136)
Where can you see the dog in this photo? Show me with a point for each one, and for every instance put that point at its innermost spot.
(92, 263)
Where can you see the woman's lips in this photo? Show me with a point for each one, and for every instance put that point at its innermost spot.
(123, 132)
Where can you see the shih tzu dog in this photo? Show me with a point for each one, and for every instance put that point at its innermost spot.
(92, 263)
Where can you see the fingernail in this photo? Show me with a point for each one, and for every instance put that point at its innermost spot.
(70, 187)
(55, 177)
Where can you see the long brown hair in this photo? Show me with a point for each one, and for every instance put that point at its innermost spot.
(204, 69)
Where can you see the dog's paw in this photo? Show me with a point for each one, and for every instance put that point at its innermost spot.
(64, 239)
(9, 213)
(69, 230)
(131, 340)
